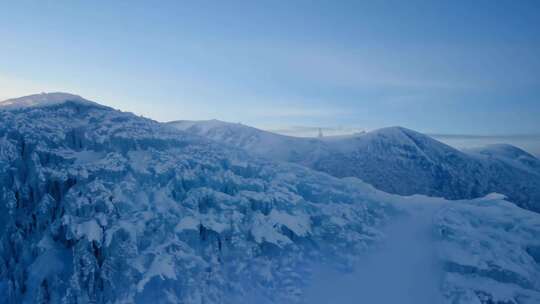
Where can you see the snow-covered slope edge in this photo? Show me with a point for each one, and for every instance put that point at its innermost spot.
(395, 160)
(100, 206)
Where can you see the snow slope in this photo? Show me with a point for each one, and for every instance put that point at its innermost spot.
(395, 160)
(101, 206)
(512, 155)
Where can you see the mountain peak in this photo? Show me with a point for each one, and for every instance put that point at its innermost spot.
(395, 131)
(42, 100)
(397, 135)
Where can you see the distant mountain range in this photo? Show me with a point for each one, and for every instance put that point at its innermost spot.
(395, 160)
(527, 142)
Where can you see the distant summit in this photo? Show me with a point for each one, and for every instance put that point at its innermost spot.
(42, 100)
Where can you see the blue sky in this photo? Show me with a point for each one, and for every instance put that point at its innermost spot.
(467, 67)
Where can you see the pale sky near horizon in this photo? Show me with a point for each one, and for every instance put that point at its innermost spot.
(467, 67)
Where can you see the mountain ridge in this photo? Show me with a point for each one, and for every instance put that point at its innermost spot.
(394, 159)
(44, 100)
(103, 206)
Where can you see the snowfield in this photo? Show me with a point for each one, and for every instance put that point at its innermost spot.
(102, 206)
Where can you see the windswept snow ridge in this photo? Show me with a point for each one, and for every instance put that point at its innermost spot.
(101, 206)
(43, 100)
(395, 160)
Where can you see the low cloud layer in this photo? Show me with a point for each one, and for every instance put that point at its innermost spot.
(404, 270)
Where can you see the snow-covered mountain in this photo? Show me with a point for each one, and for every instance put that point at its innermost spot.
(102, 206)
(512, 155)
(395, 160)
(43, 100)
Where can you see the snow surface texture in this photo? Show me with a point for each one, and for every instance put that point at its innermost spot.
(101, 206)
(43, 99)
(395, 160)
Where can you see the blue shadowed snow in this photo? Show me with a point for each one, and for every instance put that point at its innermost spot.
(101, 206)
(395, 160)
